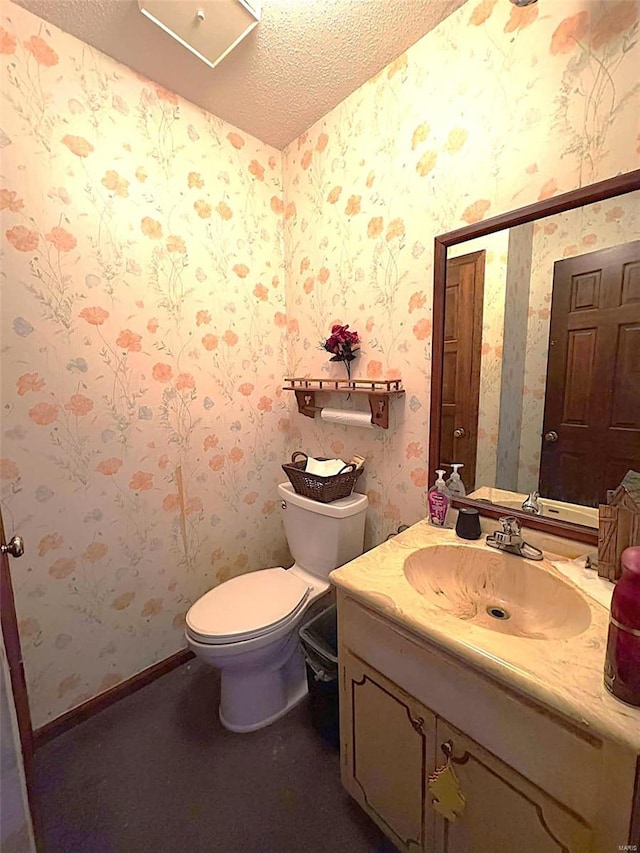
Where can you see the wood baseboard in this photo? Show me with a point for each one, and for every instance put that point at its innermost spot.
(98, 703)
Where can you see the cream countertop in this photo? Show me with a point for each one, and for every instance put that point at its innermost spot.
(564, 675)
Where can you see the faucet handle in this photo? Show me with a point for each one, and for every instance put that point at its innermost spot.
(509, 536)
(530, 503)
(509, 539)
(510, 525)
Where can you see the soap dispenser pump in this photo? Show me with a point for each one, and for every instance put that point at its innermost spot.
(454, 483)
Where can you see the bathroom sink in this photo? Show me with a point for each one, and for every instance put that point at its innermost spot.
(498, 591)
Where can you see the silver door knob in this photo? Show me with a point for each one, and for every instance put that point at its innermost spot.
(459, 433)
(15, 547)
(551, 436)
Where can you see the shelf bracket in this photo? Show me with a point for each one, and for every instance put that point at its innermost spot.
(379, 405)
(306, 402)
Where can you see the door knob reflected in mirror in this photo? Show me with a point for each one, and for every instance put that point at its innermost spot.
(551, 436)
(15, 547)
(459, 433)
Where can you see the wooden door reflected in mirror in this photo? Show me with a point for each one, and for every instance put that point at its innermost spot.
(461, 362)
(592, 396)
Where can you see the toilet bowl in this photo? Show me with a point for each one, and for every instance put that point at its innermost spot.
(247, 627)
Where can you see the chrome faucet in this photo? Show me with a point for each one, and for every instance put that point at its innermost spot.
(530, 504)
(509, 539)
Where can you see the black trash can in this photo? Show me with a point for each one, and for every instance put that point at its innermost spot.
(319, 638)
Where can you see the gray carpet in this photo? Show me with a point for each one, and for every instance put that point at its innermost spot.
(157, 772)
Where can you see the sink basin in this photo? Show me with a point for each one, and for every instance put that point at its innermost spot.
(498, 591)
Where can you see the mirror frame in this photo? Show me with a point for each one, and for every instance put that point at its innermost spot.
(620, 185)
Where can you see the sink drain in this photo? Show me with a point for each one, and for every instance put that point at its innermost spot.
(498, 612)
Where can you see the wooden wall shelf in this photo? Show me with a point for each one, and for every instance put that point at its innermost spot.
(379, 393)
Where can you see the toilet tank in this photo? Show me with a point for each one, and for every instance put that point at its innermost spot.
(321, 536)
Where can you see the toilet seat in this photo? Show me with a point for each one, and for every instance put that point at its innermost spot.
(247, 607)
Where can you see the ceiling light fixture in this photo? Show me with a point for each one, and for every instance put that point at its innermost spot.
(210, 29)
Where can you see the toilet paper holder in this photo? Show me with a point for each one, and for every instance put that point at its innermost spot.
(378, 392)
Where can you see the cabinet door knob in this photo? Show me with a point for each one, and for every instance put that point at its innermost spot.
(418, 724)
(447, 749)
(444, 787)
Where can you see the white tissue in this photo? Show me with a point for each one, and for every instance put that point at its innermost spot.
(326, 468)
(346, 418)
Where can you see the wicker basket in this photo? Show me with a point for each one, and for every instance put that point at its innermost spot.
(323, 489)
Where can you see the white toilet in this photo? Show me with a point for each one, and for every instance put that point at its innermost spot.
(248, 626)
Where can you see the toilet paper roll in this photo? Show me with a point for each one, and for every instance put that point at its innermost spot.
(346, 418)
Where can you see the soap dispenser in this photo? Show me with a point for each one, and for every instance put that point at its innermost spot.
(454, 483)
(439, 500)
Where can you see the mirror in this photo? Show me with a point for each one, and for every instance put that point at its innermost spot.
(536, 348)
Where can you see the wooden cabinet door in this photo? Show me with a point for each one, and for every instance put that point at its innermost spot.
(387, 741)
(503, 811)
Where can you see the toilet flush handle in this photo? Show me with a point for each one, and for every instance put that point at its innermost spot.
(283, 504)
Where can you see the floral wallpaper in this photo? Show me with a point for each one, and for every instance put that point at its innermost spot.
(498, 107)
(568, 235)
(143, 341)
(162, 270)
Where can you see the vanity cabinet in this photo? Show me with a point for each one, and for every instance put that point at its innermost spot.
(503, 811)
(389, 739)
(531, 780)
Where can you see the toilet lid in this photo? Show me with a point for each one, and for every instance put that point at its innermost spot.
(247, 606)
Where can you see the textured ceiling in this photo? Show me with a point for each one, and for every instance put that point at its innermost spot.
(303, 58)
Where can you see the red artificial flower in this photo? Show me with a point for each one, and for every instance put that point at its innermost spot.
(342, 343)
